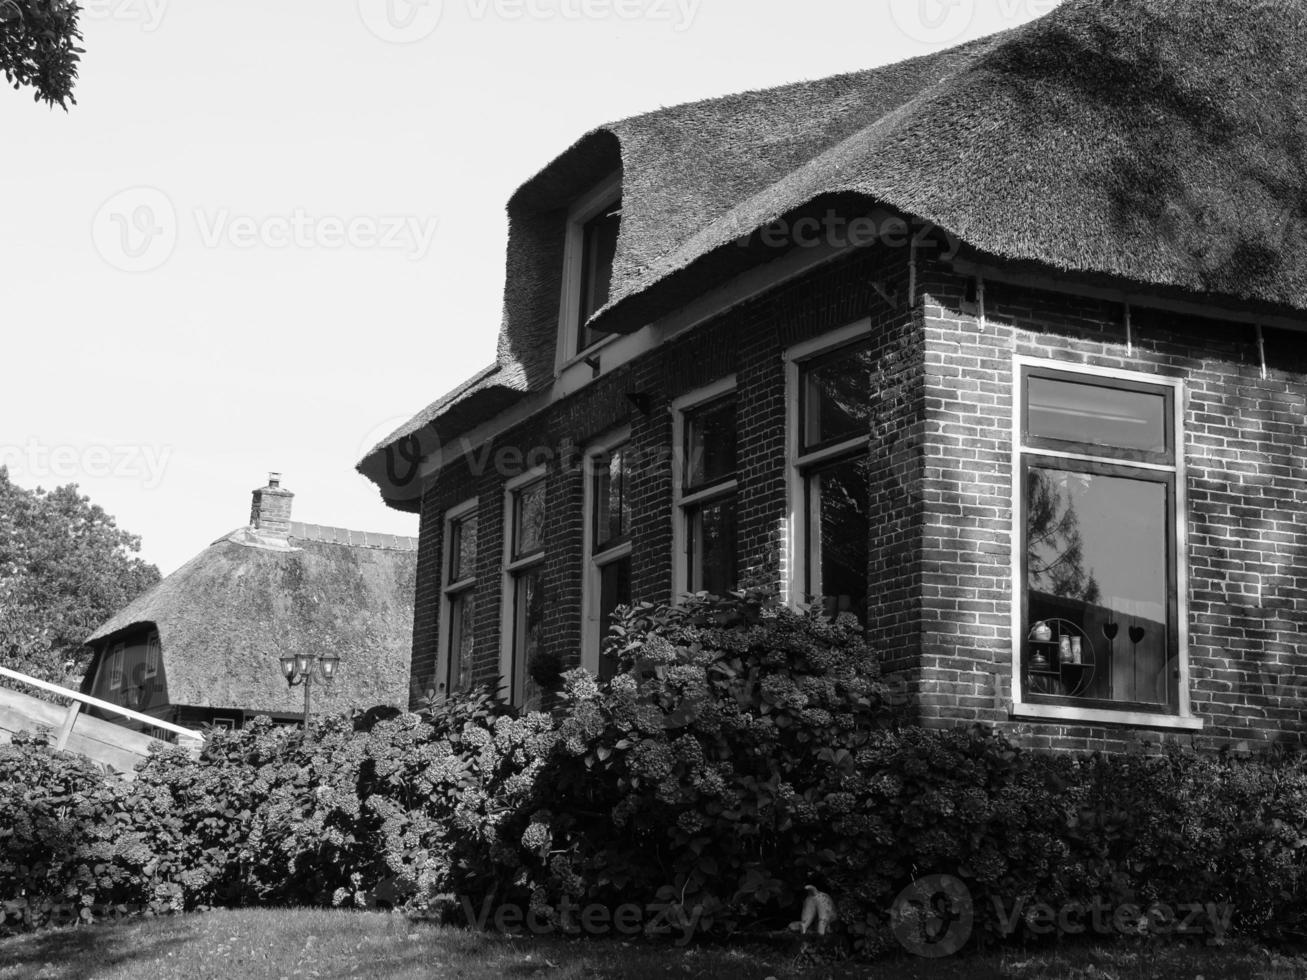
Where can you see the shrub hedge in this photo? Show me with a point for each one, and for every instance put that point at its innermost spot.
(741, 753)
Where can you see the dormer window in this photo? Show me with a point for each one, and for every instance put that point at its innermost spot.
(599, 248)
(592, 229)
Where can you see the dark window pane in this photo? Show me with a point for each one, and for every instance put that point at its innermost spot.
(599, 248)
(462, 548)
(836, 397)
(612, 501)
(1097, 556)
(529, 628)
(529, 522)
(712, 547)
(710, 444)
(462, 611)
(1098, 415)
(838, 571)
(614, 591)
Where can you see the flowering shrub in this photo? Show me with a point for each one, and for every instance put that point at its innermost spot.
(711, 771)
(742, 753)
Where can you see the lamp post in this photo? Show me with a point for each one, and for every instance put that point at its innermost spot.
(304, 668)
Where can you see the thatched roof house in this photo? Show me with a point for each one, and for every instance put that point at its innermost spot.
(204, 645)
(1154, 143)
(999, 351)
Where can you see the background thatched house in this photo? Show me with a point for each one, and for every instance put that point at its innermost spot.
(204, 646)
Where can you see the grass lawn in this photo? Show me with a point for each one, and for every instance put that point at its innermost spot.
(255, 944)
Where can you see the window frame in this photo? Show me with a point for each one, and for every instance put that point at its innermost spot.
(450, 591)
(153, 655)
(685, 504)
(1097, 460)
(594, 564)
(118, 667)
(512, 688)
(585, 209)
(1089, 450)
(801, 550)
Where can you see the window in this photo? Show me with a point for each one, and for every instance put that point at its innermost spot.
(116, 667)
(591, 246)
(608, 547)
(524, 567)
(1099, 571)
(829, 496)
(705, 532)
(457, 634)
(598, 249)
(152, 651)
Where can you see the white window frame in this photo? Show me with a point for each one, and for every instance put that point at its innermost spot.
(800, 552)
(1184, 717)
(680, 408)
(508, 682)
(591, 598)
(450, 591)
(587, 207)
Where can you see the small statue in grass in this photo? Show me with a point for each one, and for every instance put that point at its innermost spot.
(819, 909)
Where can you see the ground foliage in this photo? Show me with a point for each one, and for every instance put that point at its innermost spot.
(742, 753)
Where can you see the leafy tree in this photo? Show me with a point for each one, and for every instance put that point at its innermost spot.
(65, 568)
(39, 47)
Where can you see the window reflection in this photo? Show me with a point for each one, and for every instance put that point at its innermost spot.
(1097, 553)
(1097, 415)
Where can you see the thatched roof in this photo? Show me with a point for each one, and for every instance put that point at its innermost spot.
(228, 615)
(1160, 143)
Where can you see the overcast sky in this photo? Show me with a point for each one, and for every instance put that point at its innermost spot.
(269, 233)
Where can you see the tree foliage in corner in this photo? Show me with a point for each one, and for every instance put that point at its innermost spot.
(65, 568)
(39, 47)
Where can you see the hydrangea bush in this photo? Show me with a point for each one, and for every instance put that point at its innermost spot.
(741, 753)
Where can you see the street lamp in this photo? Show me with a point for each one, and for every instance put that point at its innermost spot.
(304, 668)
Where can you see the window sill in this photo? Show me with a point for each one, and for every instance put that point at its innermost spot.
(586, 354)
(1102, 716)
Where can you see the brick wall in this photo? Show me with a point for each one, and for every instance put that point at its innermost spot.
(1247, 544)
(748, 341)
(942, 590)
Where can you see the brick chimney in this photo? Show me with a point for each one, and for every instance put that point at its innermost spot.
(270, 509)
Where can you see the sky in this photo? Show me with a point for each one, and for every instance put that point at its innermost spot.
(270, 233)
